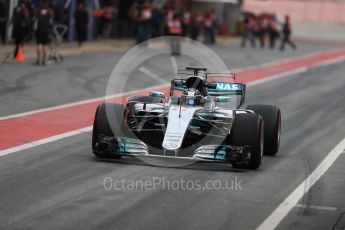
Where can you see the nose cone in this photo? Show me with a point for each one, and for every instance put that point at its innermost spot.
(171, 144)
(178, 123)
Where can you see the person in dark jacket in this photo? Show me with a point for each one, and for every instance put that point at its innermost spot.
(157, 20)
(248, 34)
(81, 18)
(263, 30)
(286, 32)
(273, 33)
(3, 20)
(196, 25)
(214, 29)
(209, 28)
(44, 21)
(143, 15)
(20, 26)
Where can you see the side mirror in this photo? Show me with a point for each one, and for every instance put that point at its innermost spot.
(223, 99)
(178, 82)
(211, 86)
(157, 94)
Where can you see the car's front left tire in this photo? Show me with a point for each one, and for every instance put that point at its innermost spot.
(106, 114)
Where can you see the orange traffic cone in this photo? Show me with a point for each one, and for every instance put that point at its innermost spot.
(20, 55)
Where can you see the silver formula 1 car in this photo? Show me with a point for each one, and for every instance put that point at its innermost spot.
(201, 120)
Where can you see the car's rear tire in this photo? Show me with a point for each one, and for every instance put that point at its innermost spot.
(272, 120)
(248, 130)
(101, 126)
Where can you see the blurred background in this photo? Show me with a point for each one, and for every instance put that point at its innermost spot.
(120, 18)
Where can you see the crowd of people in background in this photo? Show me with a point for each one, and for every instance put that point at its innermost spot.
(144, 20)
(159, 20)
(137, 19)
(265, 30)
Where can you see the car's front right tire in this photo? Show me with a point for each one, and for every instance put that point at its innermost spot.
(248, 130)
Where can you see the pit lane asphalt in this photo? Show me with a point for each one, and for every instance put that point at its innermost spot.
(60, 184)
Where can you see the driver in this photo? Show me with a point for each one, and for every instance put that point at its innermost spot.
(193, 97)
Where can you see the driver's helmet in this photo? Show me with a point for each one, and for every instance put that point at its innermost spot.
(192, 97)
(201, 74)
(197, 83)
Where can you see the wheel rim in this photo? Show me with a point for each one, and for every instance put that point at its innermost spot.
(262, 140)
(278, 129)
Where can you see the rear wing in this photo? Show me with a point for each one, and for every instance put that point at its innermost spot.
(226, 85)
(229, 89)
(226, 88)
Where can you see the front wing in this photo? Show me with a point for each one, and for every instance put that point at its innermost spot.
(209, 153)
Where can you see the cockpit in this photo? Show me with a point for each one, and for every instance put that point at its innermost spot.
(191, 97)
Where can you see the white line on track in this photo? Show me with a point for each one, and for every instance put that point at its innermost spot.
(296, 71)
(44, 141)
(80, 102)
(286, 60)
(273, 220)
(318, 207)
(277, 76)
